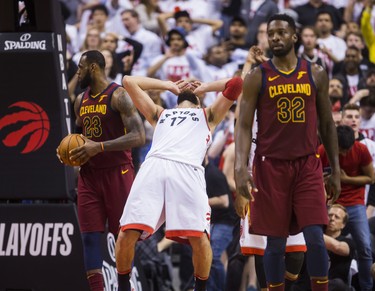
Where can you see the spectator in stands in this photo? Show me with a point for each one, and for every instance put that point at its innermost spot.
(230, 9)
(219, 66)
(92, 42)
(222, 222)
(200, 38)
(236, 43)
(151, 42)
(335, 93)
(223, 137)
(349, 73)
(309, 49)
(308, 13)
(336, 116)
(262, 40)
(127, 54)
(356, 171)
(370, 79)
(255, 13)
(341, 249)
(177, 63)
(148, 11)
(355, 38)
(198, 9)
(352, 11)
(112, 71)
(351, 117)
(333, 46)
(367, 109)
(96, 16)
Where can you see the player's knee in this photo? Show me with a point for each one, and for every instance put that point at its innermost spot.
(294, 262)
(201, 243)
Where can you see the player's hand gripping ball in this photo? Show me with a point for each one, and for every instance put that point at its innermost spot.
(68, 143)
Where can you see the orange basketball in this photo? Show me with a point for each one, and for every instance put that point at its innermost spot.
(68, 143)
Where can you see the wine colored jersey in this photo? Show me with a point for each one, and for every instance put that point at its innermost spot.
(286, 113)
(100, 123)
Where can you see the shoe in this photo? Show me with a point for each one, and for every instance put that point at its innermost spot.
(252, 288)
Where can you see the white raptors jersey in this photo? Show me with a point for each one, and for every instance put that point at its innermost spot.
(183, 135)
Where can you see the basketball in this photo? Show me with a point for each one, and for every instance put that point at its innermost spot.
(68, 143)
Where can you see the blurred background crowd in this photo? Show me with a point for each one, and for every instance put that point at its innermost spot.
(208, 40)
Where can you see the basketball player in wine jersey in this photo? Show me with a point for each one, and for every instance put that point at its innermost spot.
(111, 126)
(290, 96)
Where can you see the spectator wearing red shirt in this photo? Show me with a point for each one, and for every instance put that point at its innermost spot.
(356, 171)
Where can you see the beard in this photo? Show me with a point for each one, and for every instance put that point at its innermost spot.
(283, 52)
(187, 96)
(335, 96)
(85, 82)
(351, 66)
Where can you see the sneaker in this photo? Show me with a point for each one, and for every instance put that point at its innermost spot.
(252, 288)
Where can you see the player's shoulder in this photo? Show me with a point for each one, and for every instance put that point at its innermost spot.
(119, 92)
(79, 97)
(254, 70)
(254, 75)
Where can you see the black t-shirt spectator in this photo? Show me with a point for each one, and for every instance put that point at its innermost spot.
(340, 265)
(217, 185)
(307, 14)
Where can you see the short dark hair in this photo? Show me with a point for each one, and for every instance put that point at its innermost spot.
(345, 137)
(238, 19)
(95, 57)
(354, 48)
(132, 12)
(100, 7)
(283, 17)
(350, 106)
(371, 71)
(323, 12)
(181, 13)
(356, 33)
(177, 30)
(187, 95)
(368, 100)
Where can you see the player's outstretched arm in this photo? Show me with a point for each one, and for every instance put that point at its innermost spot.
(204, 87)
(217, 111)
(327, 130)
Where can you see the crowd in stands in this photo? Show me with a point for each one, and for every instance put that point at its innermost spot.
(207, 40)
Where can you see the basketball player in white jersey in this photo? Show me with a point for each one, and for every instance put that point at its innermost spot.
(170, 185)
